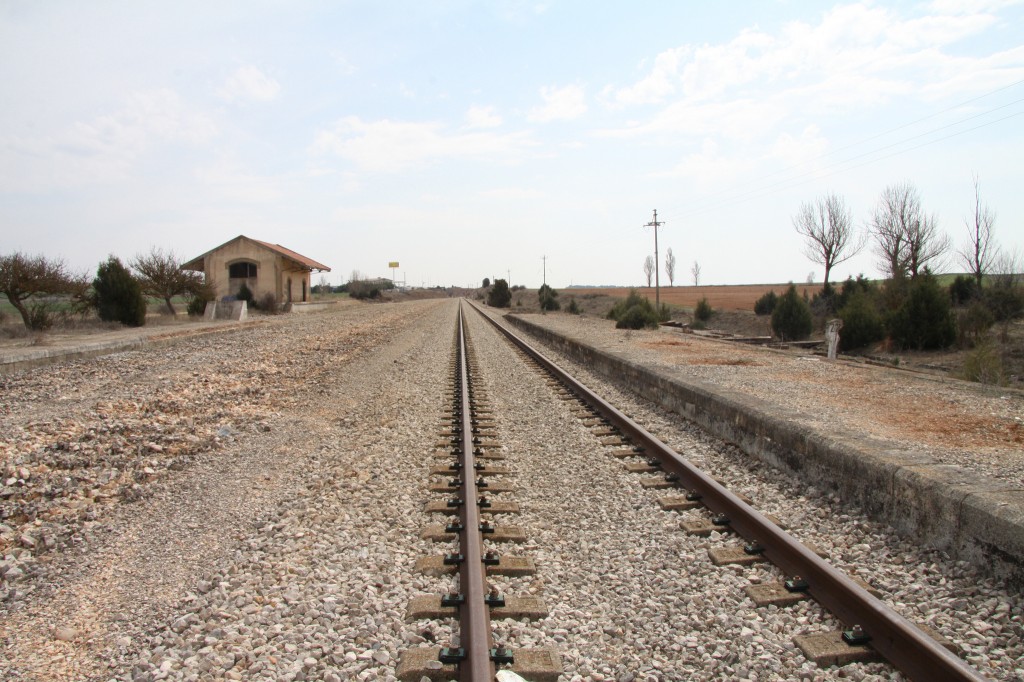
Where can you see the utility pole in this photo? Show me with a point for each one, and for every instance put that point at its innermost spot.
(657, 285)
(545, 259)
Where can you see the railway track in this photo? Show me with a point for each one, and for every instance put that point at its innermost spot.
(872, 629)
(342, 576)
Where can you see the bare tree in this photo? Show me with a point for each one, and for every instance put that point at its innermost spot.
(670, 266)
(906, 240)
(827, 228)
(649, 269)
(24, 277)
(897, 208)
(161, 276)
(695, 271)
(981, 251)
(926, 246)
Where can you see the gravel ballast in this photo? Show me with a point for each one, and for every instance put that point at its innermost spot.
(275, 533)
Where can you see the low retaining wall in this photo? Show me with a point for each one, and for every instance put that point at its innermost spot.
(973, 518)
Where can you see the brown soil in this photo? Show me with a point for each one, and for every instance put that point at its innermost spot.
(721, 297)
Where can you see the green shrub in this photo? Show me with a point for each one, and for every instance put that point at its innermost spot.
(766, 304)
(852, 286)
(791, 319)
(973, 323)
(548, 298)
(984, 365)
(963, 289)
(574, 307)
(862, 322)
(634, 312)
(363, 290)
(245, 294)
(703, 311)
(118, 295)
(925, 319)
(499, 296)
(1004, 302)
(199, 295)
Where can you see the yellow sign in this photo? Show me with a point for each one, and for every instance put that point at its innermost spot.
(393, 264)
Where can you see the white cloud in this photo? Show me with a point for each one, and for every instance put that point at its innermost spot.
(248, 82)
(482, 117)
(388, 145)
(103, 149)
(559, 104)
(661, 82)
(856, 56)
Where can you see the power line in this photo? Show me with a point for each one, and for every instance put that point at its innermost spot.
(713, 204)
(833, 152)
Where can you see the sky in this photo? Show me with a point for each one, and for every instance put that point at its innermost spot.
(513, 139)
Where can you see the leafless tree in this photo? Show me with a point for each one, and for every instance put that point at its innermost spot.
(827, 228)
(695, 271)
(649, 269)
(926, 245)
(24, 277)
(670, 266)
(161, 276)
(906, 240)
(981, 250)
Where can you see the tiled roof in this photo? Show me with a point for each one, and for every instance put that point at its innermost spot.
(197, 262)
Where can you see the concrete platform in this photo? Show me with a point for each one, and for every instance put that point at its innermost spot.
(969, 516)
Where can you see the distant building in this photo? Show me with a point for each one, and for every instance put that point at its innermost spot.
(263, 267)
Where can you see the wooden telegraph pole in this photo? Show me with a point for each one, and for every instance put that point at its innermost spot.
(657, 285)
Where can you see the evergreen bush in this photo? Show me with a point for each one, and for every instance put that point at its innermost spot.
(499, 296)
(924, 320)
(791, 319)
(548, 298)
(862, 322)
(245, 294)
(963, 289)
(573, 307)
(199, 295)
(634, 312)
(118, 295)
(766, 304)
(703, 311)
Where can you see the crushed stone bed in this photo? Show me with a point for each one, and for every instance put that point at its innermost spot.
(249, 507)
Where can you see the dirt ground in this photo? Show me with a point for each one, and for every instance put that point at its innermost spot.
(721, 297)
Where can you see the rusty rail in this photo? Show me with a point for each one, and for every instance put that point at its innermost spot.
(894, 637)
(475, 637)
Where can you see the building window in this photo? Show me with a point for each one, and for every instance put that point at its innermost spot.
(242, 270)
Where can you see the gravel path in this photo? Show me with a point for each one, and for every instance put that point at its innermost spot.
(249, 507)
(247, 428)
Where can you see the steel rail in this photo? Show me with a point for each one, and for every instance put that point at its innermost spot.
(475, 636)
(898, 640)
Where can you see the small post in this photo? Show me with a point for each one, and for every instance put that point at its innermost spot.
(832, 328)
